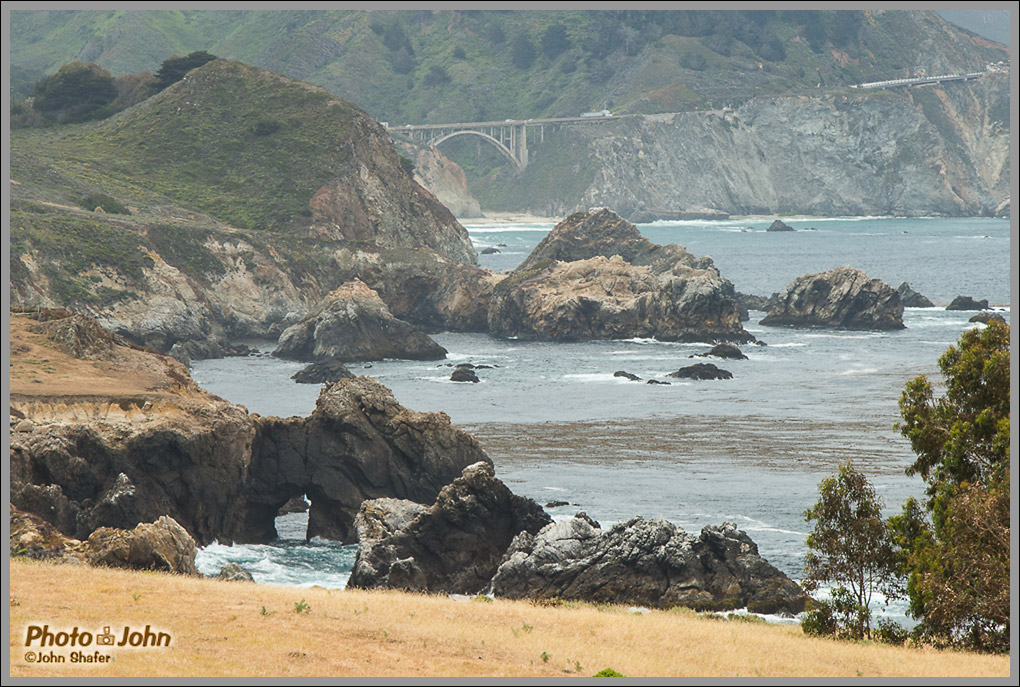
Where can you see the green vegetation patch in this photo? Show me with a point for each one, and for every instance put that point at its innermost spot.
(245, 145)
(183, 246)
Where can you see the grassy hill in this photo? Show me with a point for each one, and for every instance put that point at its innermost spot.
(237, 142)
(435, 66)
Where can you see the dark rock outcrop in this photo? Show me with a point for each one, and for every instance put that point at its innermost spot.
(842, 297)
(455, 545)
(967, 303)
(656, 381)
(627, 375)
(701, 371)
(322, 372)
(912, 299)
(358, 444)
(780, 225)
(722, 350)
(464, 374)
(162, 545)
(352, 323)
(647, 562)
(490, 251)
(187, 460)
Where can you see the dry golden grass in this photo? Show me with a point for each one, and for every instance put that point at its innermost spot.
(219, 629)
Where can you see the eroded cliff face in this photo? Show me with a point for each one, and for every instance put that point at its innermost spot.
(106, 435)
(936, 150)
(443, 177)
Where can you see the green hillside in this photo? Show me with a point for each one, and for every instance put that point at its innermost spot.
(433, 66)
(231, 140)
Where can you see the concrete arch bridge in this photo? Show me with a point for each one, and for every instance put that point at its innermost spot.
(509, 137)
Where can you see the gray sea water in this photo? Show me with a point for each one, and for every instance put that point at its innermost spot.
(560, 427)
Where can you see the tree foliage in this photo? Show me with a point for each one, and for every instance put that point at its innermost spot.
(175, 67)
(958, 564)
(849, 547)
(78, 92)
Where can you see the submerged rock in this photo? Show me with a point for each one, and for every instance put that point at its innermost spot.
(912, 299)
(645, 562)
(453, 546)
(967, 303)
(701, 371)
(351, 324)
(842, 297)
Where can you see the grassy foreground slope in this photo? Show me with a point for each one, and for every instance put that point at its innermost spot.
(236, 628)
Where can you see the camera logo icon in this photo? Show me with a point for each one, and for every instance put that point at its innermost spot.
(105, 639)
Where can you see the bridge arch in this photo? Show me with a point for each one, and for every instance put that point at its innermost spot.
(499, 146)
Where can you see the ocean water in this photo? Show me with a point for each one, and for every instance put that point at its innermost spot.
(560, 427)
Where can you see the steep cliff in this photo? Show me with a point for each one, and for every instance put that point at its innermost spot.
(934, 150)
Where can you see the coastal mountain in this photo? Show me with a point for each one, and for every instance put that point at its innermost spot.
(426, 66)
(226, 206)
(752, 110)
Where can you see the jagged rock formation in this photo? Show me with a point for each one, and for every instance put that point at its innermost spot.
(987, 316)
(357, 444)
(647, 562)
(162, 545)
(453, 546)
(967, 303)
(136, 439)
(595, 277)
(842, 297)
(912, 299)
(780, 225)
(353, 324)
